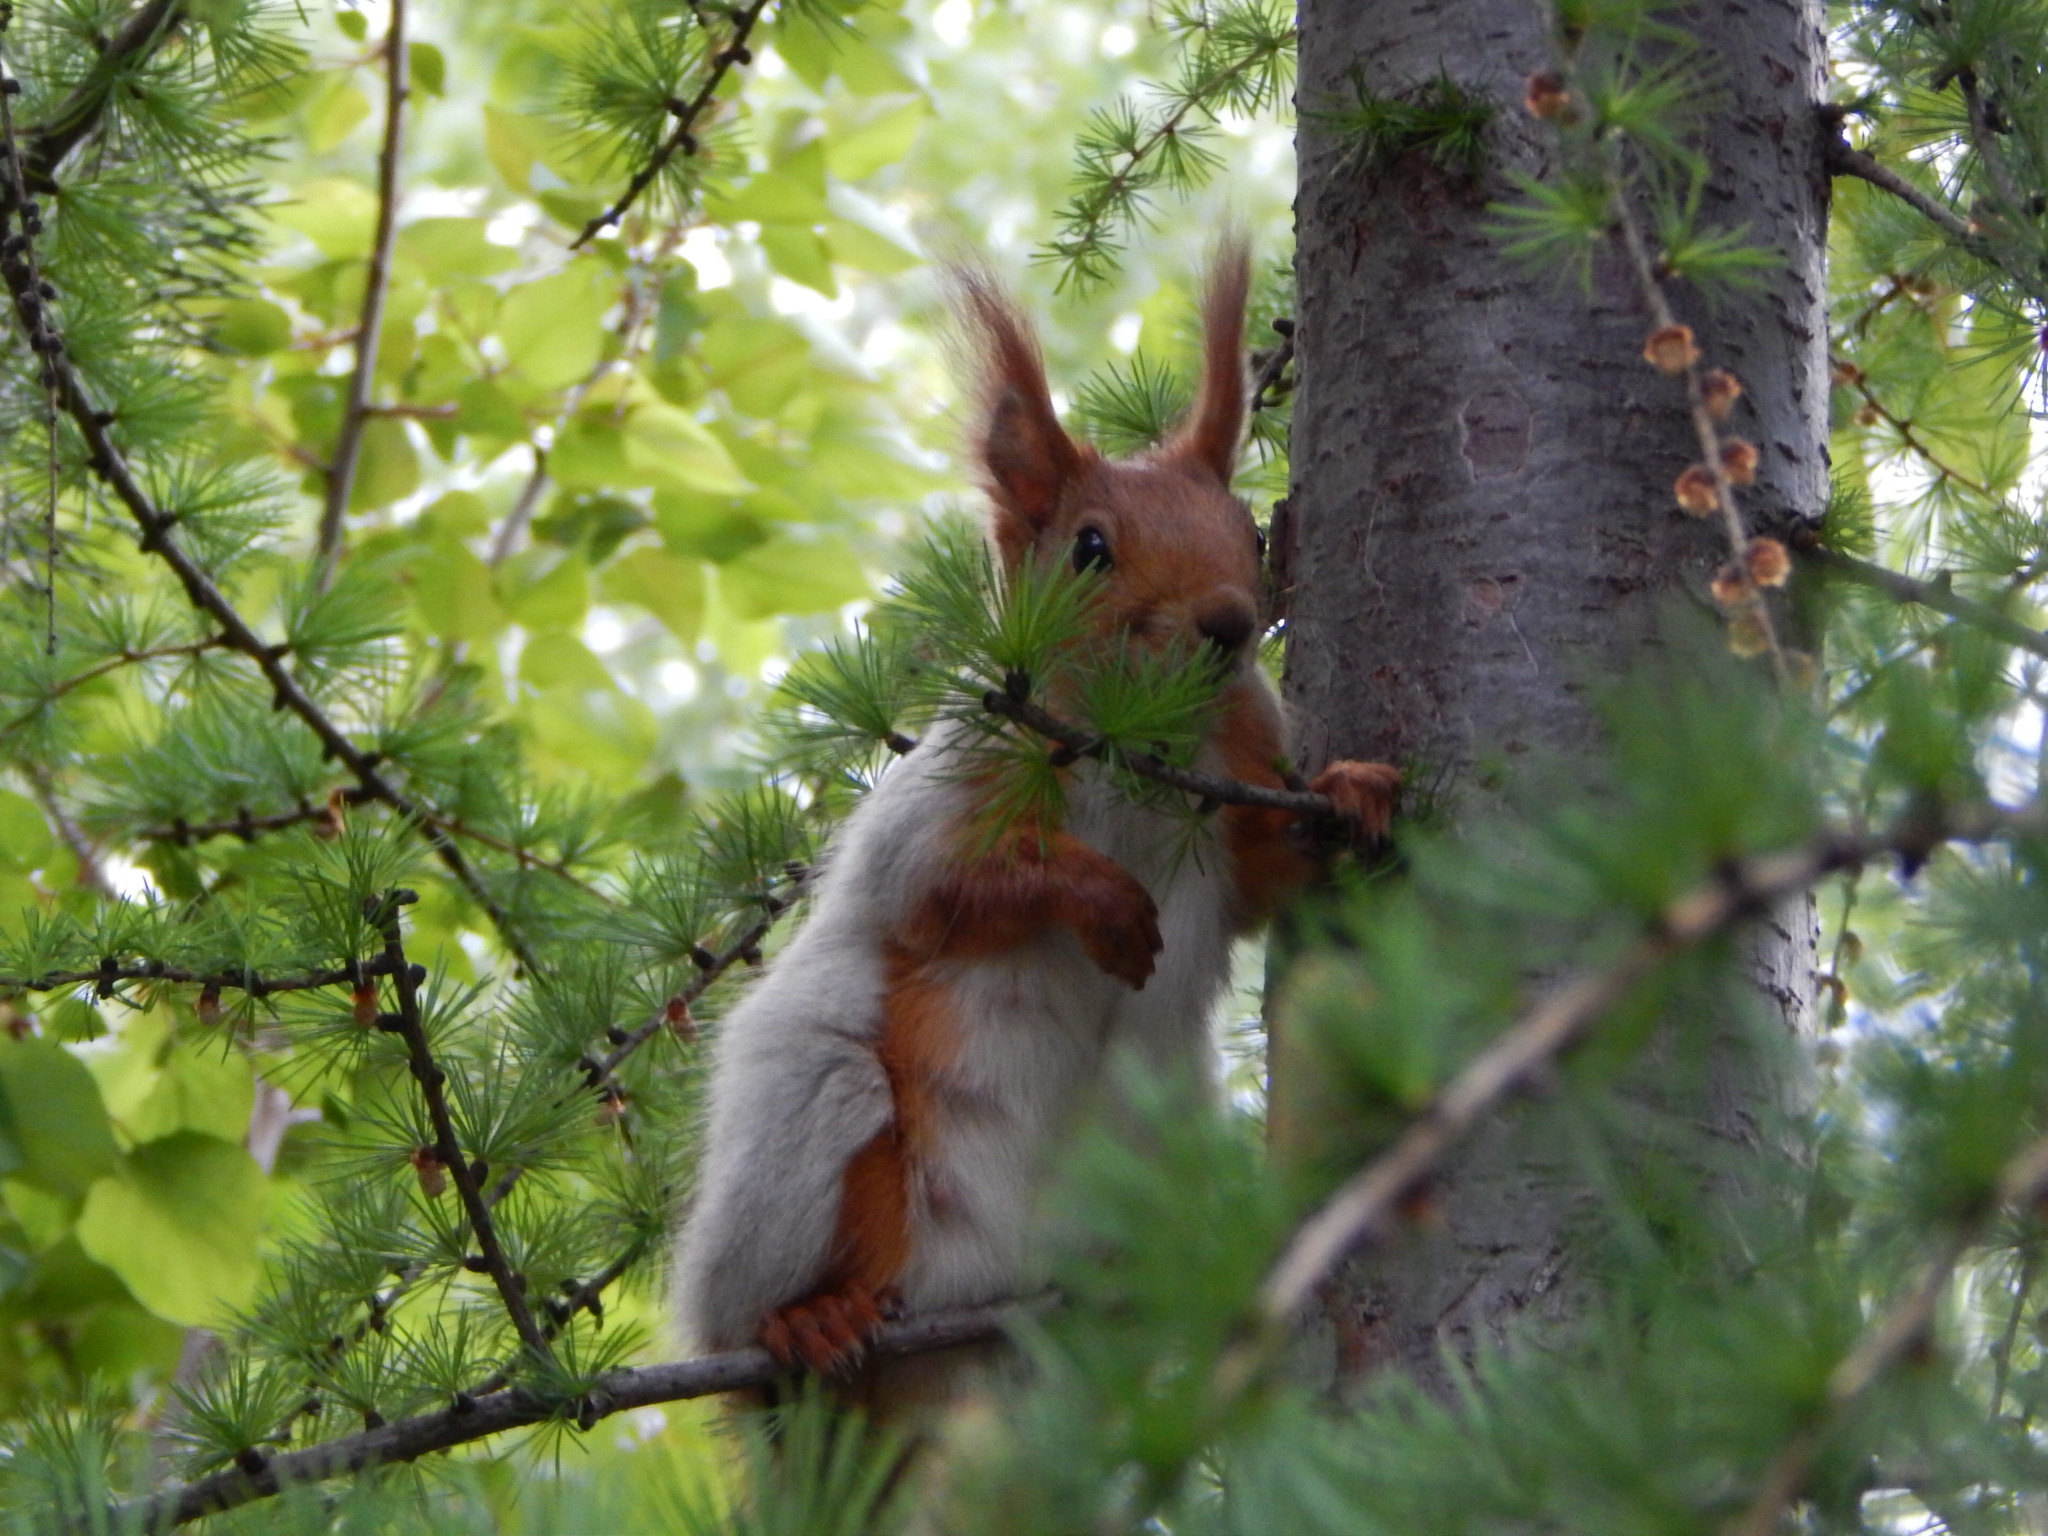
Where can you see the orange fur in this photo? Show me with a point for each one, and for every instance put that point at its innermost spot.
(1032, 881)
(1215, 426)
(1265, 864)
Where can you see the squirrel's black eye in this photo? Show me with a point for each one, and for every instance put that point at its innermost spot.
(1091, 550)
(1260, 537)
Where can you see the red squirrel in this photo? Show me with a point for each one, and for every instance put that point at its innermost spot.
(881, 1104)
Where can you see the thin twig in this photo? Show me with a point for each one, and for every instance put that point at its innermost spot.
(614, 1392)
(1090, 214)
(525, 857)
(506, 540)
(248, 827)
(2001, 1353)
(341, 470)
(710, 966)
(1704, 428)
(110, 974)
(410, 1026)
(1857, 380)
(125, 658)
(682, 137)
(1209, 786)
(92, 874)
(587, 1296)
(1984, 139)
(674, 1011)
(1365, 1208)
(1935, 592)
(1843, 160)
(1899, 1333)
(158, 537)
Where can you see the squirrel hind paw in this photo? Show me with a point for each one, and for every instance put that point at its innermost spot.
(827, 1333)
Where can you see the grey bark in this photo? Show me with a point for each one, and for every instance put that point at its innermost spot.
(1483, 528)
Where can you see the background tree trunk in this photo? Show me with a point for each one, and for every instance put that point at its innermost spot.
(1483, 528)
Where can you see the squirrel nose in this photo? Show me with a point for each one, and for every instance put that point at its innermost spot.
(1227, 624)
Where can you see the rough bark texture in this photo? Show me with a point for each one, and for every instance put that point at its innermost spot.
(1483, 527)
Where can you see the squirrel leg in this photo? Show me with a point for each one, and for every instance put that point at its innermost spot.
(828, 1330)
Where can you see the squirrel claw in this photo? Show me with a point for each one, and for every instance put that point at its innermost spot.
(1365, 791)
(827, 1333)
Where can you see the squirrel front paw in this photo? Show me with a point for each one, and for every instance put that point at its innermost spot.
(1367, 792)
(828, 1332)
(1114, 917)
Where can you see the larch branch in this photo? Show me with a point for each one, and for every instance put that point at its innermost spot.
(410, 1026)
(158, 536)
(682, 137)
(515, 1408)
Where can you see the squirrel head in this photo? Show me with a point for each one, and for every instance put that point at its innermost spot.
(1179, 553)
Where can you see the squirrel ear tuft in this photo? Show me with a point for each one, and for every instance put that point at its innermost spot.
(1210, 434)
(1025, 453)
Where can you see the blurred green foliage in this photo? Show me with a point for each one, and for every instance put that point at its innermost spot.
(627, 611)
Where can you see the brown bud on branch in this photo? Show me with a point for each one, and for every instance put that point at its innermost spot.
(1719, 390)
(1671, 349)
(1696, 491)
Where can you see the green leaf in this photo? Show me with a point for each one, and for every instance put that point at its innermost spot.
(868, 250)
(455, 515)
(706, 528)
(552, 330)
(338, 215)
(785, 575)
(353, 24)
(252, 327)
(759, 363)
(882, 140)
(509, 144)
(667, 586)
(44, 1218)
(665, 445)
(590, 454)
(60, 1124)
(10, 1147)
(800, 255)
(428, 69)
(333, 113)
(593, 737)
(768, 198)
(484, 409)
(597, 523)
(179, 1222)
(453, 593)
(208, 1089)
(562, 661)
(387, 466)
(455, 248)
(25, 839)
(544, 589)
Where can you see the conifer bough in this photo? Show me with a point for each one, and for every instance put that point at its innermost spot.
(1361, 1210)
(516, 1408)
(158, 537)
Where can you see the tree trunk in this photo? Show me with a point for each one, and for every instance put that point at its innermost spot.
(1482, 524)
